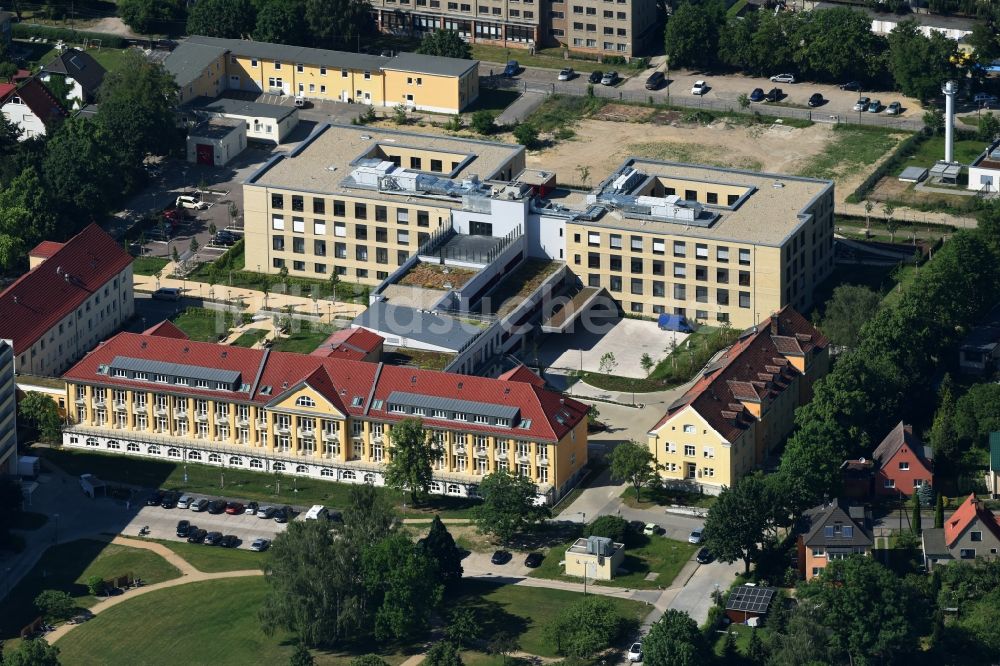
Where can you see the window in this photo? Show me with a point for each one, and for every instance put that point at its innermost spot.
(277, 201)
(722, 296)
(636, 243)
(701, 251)
(319, 248)
(360, 211)
(903, 465)
(278, 243)
(689, 449)
(319, 228)
(975, 536)
(722, 275)
(637, 286)
(889, 483)
(722, 254)
(680, 249)
(744, 299)
(967, 553)
(278, 223)
(339, 208)
(305, 401)
(689, 429)
(616, 241)
(744, 257)
(680, 271)
(680, 292)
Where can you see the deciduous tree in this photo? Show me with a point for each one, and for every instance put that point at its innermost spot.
(443, 653)
(692, 34)
(32, 652)
(674, 640)
(633, 462)
(736, 523)
(585, 627)
(222, 18)
(508, 505)
(918, 63)
(445, 43)
(55, 604)
(337, 23)
(410, 466)
(150, 16)
(282, 22)
(849, 308)
(404, 585)
(463, 628)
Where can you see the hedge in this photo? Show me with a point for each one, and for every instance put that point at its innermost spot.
(26, 31)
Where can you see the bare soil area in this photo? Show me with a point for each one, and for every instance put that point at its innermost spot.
(430, 276)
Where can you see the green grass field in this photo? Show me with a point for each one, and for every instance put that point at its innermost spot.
(67, 566)
(148, 265)
(657, 554)
(303, 341)
(499, 54)
(241, 484)
(493, 100)
(210, 559)
(932, 150)
(250, 338)
(665, 497)
(853, 149)
(202, 324)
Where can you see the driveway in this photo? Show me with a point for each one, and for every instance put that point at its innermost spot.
(627, 339)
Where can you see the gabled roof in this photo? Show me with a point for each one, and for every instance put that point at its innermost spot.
(355, 387)
(42, 297)
(427, 64)
(45, 249)
(523, 374)
(166, 329)
(894, 441)
(79, 66)
(6, 90)
(41, 101)
(838, 513)
(754, 370)
(190, 59)
(352, 343)
(971, 511)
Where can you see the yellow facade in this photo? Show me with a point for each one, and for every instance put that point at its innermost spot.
(688, 449)
(210, 83)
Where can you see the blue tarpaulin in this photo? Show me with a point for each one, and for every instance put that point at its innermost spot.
(674, 322)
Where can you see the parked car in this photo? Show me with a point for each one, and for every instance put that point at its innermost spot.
(894, 109)
(252, 508)
(260, 545)
(637, 525)
(213, 538)
(217, 506)
(155, 498)
(284, 514)
(266, 512)
(185, 502)
(650, 529)
(875, 106)
(595, 77)
(167, 294)
(197, 536)
(699, 88)
(533, 560)
(229, 541)
(224, 241)
(774, 95)
(566, 73)
(234, 508)
(815, 100)
(704, 556)
(169, 500)
(983, 98)
(757, 95)
(301, 102)
(183, 528)
(512, 68)
(188, 201)
(853, 86)
(861, 104)
(609, 79)
(783, 78)
(500, 557)
(655, 80)
(199, 505)
(696, 536)
(635, 653)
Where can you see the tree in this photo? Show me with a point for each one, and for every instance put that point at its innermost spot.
(608, 363)
(95, 584)
(337, 23)
(194, 245)
(849, 308)
(831, 41)
(613, 527)
(175, 255)
(10, 133)
(440, 547)
(674, 640)
(633, 462)
(736, 523)
(483, 122)
(944, 438)
(32, 652)
(730, 654)
(744, 101)
(147, 16)
(445, 43)
(399, 115)
(463, 629)
(81, 171)
(526, 134)
(939, 511)
(232, 19)
(977, 413)
(934, 120)
(756, 651)
(403, 582)
(805, 640)
(585, 627)
(692, 34)
(301, 656)
(411, 460)
(503, 643)
(647, 363)
(369, 660)
(508, 505)
(984, 43)
(368, 517)
(989, 127)
(443, 653)
(918, 63)
(55, 604)
(891, 224)
(915, 522)
(38, 410)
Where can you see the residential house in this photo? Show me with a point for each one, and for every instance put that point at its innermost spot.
(902, 463)
(969, 533)
(979, 353)
(993, 475)
(32, 107)
(742, 406)
(857, 477)
(81, 73)
(833, 531)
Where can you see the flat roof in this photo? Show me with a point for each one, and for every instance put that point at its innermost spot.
(426, 64)
(409, 323)
(216, 128)
(239, 107)
(767, 216)
(321, 162)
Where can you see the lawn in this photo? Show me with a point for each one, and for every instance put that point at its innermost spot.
(689, 357)
(239, 483)
(560, 112)
(67, 566)
(303, 341)
(111, 59)
(743, 633)
(655, 554)
(852, 149)
(251, 337)
(932, 150)
(621, 384)
(202, 324)
(148, 265)
(524, 611)
(665, 497)
(498, 54)
(212, 560)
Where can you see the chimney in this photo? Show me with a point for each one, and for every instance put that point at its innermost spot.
(774, 324)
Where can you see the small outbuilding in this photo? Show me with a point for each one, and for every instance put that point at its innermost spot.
(749, 601)
(264, 122)
(595, 557)
(215, 142)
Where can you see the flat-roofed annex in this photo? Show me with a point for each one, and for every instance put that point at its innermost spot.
(321, 163)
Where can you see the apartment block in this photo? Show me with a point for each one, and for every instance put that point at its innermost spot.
(607, 27)
(76, 294)
(208, 66)
(743, 405)
(8, 409)
(167, 397)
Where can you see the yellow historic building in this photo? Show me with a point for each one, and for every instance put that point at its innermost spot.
(207, 66)
(743, 405)
(160, 395)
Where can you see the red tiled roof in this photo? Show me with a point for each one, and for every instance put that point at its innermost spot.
(352, 343)
(6, 89)
(21, 75)
(523, 374)
(970, 511)
(45, 249)
(41, 101)
(166, 329)
(42, 297)
(353, 387)
(752, 370)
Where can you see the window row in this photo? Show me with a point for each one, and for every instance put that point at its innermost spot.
(339, 208)
(680, 248)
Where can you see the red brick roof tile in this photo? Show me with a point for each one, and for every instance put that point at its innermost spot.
(523, 374)
(45, 249)
(970, 511)
(351, 343)
(166, 329)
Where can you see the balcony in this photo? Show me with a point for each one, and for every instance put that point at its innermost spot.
(523, 458)
(81, 400)
(221, 419)
(331, 436)
(242, 421)
(482, 453)
(138, 408)
(180, 414)
(459, 450)
(201, 416)
(261, 425)
(307, 432)
(377, 438)
(543, 460)
(160, 410)
(501, 454)
(120, 406)
(283, 429)
(100, 404)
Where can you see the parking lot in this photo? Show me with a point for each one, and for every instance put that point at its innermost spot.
(162, 524)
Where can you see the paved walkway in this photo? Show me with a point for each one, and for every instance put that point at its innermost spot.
(188, 575)
(521, 108)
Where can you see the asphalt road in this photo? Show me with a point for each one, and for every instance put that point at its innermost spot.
(162, 524)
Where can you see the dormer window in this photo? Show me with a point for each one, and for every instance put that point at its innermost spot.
(482, 419)
(304, 401)
(202, 383)
(118, 372)
(180, 381)
(357, 401)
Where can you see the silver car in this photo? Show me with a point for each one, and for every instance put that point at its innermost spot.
(566, 74)
(185, 502)
(610, 79)
(862, 104)
(199, 505)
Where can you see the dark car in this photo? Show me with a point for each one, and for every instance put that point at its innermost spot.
(816, 99)
(595, 77)
(155, 498)
(655, 80)
(217, 506)
(199, 505)
(183, 528)
(851, 85)
(704, 556)
(197, 536)
(252, 508)
(284, 514)
(234, 508)
(533, 560)
(512, 68)
(229, 541)
(266, 512)
(774, 95)
(169, 500)
(500, 557)
(225, 241)
(757, 95)
(637, 526)
(213, 538)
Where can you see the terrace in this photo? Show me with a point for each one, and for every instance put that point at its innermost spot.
(516, 287)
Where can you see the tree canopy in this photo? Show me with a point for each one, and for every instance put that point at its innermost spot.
(152, 16)
(674, 640)
(282, 22)
(337, 23)
(633, 462)
(233, 19)
(585, 627)
(440, 547)
(920, 64)
(403, 583)
(848, 309)
(38, 410)
(410, 466)
(508, 505)
(445, 43)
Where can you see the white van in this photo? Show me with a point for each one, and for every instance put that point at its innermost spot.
(187, 201)
(317, 512)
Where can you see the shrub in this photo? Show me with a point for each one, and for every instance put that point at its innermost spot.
(614, 527)
(55, 604)
(526, 134)
(483, 122)
(95, 585)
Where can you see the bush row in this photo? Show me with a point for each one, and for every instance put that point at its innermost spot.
(26, 31)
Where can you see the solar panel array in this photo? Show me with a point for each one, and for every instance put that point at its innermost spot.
(750, 599)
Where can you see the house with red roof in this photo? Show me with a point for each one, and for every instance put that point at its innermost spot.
(901, 463)
(32, 107)
(160, 395)
(742, 406)
(971, 532)
(76, 294)
(357, 344)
